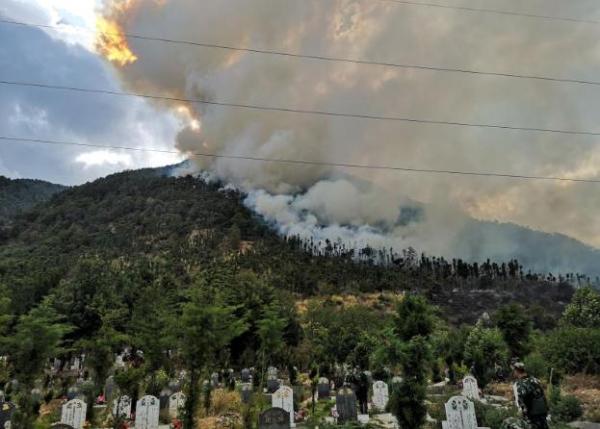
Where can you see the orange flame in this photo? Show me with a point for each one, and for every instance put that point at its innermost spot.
(112, 43)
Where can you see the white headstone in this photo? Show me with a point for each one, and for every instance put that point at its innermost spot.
(381, 395)
(147, 410)
(284, 398)
(470, 388)
(460, 414)
(73, 413)
(176, 403)
(122, 407)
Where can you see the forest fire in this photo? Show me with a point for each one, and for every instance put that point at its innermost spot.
(112, 43)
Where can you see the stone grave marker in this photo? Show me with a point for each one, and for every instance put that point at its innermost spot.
(272, 384)
(72, 392)
(284, 398)
(345, 404)
(460, 414)
(73, 413)
(323, 388)
(245, 375)
(214, 380)
(470, 388)
(381, 395)
(122, 407)
(109, 389)
(175, 385)
(246, 393)
(176, 403)
(272, 372)
(147, 410)
(164, 397)
(274, 418)
(6, 411)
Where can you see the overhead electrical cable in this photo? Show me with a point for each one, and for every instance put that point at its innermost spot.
(328, 58)
(256, 107)
(492, 11)
(302, 162)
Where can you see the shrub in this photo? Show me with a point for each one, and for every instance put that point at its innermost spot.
(567, 409)
(536, 365)
(492, 417)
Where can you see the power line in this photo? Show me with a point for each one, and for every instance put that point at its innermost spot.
(494, 11)
(301, 162)
(324, 57)
(299, 111)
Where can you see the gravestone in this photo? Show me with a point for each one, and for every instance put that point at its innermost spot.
(214, 380)
(284, 398)
(122, 407)
(274, 418)
(72, 392)
(246, 393)
(6, 411)
(245, 375)
(147, 410)
(175, 385)
(272, 384)
(272, 372)
(460, 414)
(397, 380)
(73, 413)
(176, 403)
(470, 388)
(109, 389)
(345, 404)
(163, 398)
(323, 388)
(381, 395)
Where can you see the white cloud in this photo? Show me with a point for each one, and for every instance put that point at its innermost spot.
(104, 157)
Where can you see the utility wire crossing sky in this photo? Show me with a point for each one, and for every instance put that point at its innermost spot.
(318, 57)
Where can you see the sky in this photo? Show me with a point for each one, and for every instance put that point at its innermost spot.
(315, 197)
(67, 58)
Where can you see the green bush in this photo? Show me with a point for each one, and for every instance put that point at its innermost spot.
(565, 408)
(492, 417)
(536, 365)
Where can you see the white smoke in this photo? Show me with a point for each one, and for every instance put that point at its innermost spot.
(366, 205)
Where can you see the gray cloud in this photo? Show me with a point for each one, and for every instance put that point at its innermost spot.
(32, 55)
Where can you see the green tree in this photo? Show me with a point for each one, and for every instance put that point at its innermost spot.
(485, 352)
(206, 327)
(584, 309)
(573, 350)
(38, 336)
(515, 325)
(270, 332)
(413, 325)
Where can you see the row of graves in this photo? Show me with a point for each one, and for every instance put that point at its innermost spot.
(348, 407)
(348, 401)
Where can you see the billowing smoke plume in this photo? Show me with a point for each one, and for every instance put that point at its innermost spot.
(433, 213)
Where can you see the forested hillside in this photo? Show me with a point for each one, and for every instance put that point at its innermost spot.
(180, 225)
(21, 194)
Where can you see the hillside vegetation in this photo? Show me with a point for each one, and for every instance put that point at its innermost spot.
(21, 194)
(185, 223)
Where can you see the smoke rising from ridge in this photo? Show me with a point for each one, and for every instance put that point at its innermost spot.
(369, 205)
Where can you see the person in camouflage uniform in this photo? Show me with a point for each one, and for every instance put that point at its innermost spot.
(530, 398)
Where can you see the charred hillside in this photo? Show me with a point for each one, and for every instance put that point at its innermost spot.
(175, 227)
